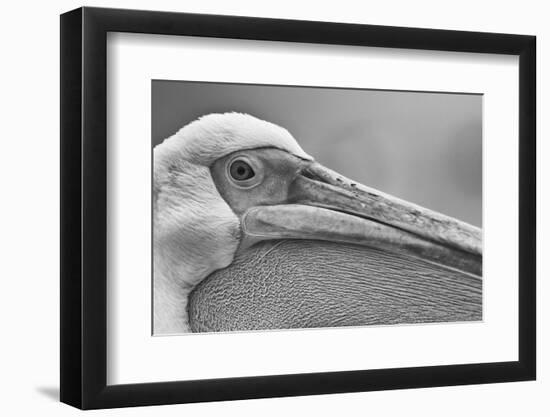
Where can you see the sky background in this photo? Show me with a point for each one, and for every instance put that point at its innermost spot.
(422, 147)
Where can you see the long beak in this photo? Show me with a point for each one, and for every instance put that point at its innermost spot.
(323, 205)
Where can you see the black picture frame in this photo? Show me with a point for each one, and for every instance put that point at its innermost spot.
(84, 222)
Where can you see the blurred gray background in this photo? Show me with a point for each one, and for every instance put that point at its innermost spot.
(423, 147)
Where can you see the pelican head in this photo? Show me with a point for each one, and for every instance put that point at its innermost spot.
(227, 182)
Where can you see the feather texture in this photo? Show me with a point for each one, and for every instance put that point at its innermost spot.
(195, 232)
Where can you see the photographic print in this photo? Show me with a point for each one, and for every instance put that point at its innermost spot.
(332, 198)
(293, 207)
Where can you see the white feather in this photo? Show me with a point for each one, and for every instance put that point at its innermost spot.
(215, 135)
(195, 231)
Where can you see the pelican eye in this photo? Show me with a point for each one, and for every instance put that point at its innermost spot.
(241, 170)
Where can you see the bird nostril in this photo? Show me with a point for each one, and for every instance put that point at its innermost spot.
(312, 175)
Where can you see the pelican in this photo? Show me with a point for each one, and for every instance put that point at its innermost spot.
(250, 232)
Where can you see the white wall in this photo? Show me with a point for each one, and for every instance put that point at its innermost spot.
(29, 208)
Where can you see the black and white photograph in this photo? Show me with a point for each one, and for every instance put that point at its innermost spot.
(328, 204)
(295, 207)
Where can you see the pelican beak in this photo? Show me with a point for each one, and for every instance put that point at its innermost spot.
(323, 205)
